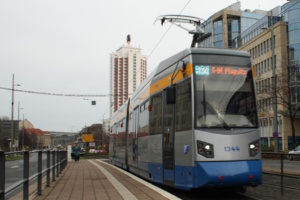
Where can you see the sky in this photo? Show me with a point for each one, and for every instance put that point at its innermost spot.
(64, 46)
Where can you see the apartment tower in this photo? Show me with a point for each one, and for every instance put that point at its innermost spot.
(128, 69)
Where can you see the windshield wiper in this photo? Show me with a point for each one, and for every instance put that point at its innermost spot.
(207, 106)
(212, 111)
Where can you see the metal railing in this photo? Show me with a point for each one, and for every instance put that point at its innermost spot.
(59, 162)
(281, 157)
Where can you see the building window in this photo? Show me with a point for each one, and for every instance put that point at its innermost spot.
(218, 33)
(233, 27)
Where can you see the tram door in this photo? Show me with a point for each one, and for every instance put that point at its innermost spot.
(168, 141)
(135, 137)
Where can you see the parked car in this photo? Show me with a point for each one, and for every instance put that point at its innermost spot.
(295, 151)
(102, 151)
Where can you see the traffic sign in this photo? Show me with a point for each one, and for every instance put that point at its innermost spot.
(275, 134)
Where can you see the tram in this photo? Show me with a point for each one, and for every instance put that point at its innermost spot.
(192, 123)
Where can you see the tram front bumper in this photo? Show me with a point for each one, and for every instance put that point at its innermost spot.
(228, 174)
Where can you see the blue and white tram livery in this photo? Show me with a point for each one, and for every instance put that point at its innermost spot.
(192, 123)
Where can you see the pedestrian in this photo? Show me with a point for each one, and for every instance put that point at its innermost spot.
(76, 151)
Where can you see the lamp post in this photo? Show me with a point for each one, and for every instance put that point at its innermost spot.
(274, 85)
(12, 115)
(23, 133)
(19, 120)
(275, 126)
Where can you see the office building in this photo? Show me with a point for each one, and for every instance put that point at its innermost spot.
(279, 29)
(225, 25)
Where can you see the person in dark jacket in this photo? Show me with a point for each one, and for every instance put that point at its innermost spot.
(76, 151)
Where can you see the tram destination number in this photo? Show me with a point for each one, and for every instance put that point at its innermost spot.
(231, 148)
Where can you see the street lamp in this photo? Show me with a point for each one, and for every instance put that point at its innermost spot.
(19, 120)
(12, 114)
(23, 133)
(274, 82)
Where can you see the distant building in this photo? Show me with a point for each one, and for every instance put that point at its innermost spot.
(106, 126)
(43, 139)
(5, 134)
(62, 138)
(26, 124)
(128, 69)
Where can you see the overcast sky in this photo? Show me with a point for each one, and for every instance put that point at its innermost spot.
(63, 47)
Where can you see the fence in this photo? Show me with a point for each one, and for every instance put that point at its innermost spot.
(59, 162)
(281, 157)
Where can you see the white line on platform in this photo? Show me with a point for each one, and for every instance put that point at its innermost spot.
(124, 192)
(157, 189)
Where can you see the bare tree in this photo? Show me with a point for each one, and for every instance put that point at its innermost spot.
(30, 140)
(287, 93)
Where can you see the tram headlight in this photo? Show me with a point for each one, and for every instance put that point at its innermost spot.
(254, 148)
(205, 149)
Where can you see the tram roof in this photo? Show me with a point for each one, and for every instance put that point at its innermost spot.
(206, 51)
(163, 65)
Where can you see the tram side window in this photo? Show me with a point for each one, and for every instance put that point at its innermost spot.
(183, 106)
(156, 115)
(143, 120)
(112, 141)
(121, 133)
(131, 129)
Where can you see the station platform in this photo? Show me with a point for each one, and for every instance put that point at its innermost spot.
(94, 179)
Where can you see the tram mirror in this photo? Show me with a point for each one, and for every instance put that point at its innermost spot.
(183, 66)
(171, 95)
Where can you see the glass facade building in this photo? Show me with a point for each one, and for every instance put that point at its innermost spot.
(278, 29)
(291, 14)
(218, 33)
(236, 21)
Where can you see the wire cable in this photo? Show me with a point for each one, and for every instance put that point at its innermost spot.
(56, 94)
(167, 31)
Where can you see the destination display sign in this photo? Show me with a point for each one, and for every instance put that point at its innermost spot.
(203, 70)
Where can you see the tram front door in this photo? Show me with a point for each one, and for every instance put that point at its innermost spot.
(168, 142)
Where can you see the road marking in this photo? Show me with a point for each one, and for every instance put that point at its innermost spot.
(14, 166)
(124, 192)
(157, 189)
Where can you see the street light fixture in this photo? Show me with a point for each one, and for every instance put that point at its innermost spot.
(23, 133)
(12, 114)
(274, 84)
(19, 120)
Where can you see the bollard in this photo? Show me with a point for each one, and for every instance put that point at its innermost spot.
(2, 175)
(26, 176)
(39, 182)
(48, 168)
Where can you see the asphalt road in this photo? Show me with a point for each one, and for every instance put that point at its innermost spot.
(288, 166)
(14, 169)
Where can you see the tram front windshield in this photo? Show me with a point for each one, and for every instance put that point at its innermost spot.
(225, 97)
